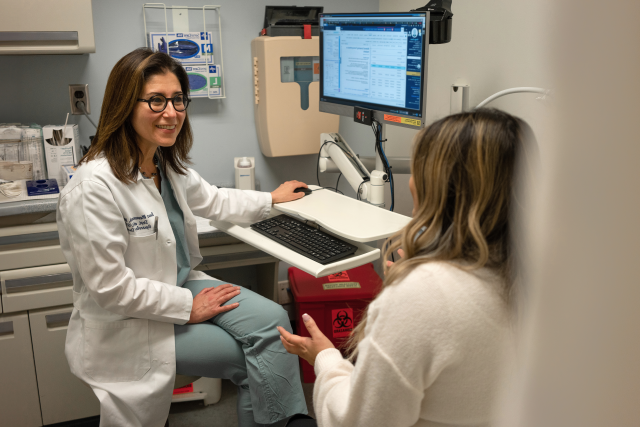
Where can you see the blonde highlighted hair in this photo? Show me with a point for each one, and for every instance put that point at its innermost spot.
(463, 172)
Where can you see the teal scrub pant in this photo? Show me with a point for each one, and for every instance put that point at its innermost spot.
(243, 345)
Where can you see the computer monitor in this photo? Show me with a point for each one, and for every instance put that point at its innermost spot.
(376, 61)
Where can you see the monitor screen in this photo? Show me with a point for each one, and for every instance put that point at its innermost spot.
(374, 60)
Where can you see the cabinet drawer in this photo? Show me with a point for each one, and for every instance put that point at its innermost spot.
(63, 397)
(19, 404)
(29, 257)
(36, 287)
(30, 246)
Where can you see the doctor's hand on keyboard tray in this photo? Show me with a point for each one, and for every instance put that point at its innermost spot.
(285, 193)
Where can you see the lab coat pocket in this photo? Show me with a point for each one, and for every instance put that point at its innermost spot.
(116, 351)
(142, 256)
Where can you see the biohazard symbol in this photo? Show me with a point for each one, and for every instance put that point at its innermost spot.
(342, 320)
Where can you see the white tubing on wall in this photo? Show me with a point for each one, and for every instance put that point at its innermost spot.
(512, 90)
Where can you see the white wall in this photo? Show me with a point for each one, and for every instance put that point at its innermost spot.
(496, 44)
(581, 364)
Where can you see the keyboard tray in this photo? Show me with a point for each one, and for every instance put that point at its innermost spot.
(304, 239)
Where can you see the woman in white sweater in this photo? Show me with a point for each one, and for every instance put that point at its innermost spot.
(432, 346)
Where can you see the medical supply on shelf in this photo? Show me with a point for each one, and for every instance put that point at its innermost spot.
(187, 48)
(10, 150)
(10, 142)
(245, 173)
(67, 174)
(42, 187)
(62, 148)
(204, 80)
(24, 194)
(11, 189)
(12, 171)
(304, 239)
(336, 303)
(32, 150)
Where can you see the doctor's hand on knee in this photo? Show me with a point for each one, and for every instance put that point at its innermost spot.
(208, 303)
(307, 348)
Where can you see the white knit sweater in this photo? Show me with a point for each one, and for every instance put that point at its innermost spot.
(433, 353)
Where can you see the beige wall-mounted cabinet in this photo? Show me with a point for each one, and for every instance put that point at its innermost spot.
(37, 27)
(284, 127)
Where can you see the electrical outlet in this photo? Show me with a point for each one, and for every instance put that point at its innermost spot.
(284, 295)
(79, 92)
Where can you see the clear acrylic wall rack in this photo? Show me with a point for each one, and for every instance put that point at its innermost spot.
(217, 46)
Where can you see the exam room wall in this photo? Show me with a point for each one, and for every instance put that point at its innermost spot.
(37, 86)
(495, 45)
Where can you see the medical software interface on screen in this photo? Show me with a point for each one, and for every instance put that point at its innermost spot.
(373, 59)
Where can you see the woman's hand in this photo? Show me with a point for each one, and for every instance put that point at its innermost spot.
(208, 303)
(285, 193)
(307, 348)
(401, 253)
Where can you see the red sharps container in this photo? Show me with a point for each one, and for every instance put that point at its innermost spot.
(336, 302)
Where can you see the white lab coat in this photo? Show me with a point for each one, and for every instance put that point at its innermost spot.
(120, 339)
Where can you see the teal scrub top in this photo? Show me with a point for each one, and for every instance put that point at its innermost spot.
(176, 219)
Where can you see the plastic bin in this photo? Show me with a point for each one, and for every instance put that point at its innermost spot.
(336, 303)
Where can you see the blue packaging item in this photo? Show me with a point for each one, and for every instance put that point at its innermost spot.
(204, 80)
(42, 187)
(187, 48)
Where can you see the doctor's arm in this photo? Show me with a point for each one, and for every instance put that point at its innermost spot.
(230, 204)
(98, 239)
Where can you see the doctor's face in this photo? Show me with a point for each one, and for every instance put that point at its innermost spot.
(158, 129)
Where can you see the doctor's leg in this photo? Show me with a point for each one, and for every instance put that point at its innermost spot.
(273, 374)
(206, 350)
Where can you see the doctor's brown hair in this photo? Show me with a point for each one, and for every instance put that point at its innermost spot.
(463, 168)
(115, 137)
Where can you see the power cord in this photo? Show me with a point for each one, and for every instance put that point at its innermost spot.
(80, 105)
(358, 192)
(377, 131)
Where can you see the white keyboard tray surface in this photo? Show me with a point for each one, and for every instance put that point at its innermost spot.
(343, 217)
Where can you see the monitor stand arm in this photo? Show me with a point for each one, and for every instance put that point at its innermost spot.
(336, 153)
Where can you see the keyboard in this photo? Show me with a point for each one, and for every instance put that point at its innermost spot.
(316, 245)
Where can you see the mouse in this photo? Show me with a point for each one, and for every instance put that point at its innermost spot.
(304, 190)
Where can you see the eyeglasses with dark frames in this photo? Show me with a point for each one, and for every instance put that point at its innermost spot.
(158, 103)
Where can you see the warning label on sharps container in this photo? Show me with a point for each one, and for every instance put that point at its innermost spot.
(343, 276)
(342, 323)
(340, 285)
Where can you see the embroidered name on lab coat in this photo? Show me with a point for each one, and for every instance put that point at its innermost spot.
(140, 223)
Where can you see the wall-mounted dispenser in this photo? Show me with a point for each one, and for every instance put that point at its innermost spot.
(245, 168)
(286, 83)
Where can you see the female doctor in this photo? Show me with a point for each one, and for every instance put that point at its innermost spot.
(128, 231)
